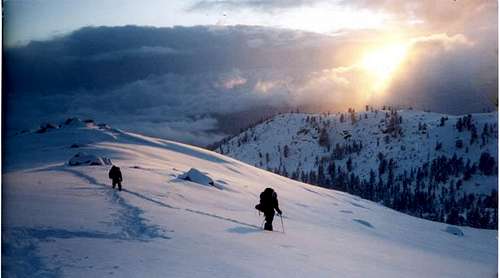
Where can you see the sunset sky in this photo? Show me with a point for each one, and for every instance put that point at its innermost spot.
(237, 56)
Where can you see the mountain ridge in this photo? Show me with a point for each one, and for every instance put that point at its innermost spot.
(381, 155)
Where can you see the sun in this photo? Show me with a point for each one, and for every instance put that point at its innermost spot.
(382, 63)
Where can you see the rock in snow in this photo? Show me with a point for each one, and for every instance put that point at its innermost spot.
(197, 176)
(82, 158)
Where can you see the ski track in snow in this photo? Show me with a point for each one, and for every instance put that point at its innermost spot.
(21, 249)
(364, 222)
(129, 218)
(138, 230)
(131, 214)
(221, 217)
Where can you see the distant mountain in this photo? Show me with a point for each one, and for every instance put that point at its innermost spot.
(435, 166)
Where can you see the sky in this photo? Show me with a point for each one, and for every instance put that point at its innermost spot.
(35, 19)
(196, 71)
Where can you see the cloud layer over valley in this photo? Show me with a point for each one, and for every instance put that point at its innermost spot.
(192, 83)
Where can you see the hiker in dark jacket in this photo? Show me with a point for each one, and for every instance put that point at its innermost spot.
(268, 203)
(116, 176)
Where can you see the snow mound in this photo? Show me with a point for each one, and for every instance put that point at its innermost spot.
(82, 158)
(197, 176)
(454, 231)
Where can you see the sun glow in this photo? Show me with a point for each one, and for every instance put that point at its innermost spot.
(382, 63)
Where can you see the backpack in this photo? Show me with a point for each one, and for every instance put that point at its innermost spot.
(113, 172)
(266, 199)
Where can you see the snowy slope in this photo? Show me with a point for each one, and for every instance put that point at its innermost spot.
(421, 132)
(64, 221)
(418, 146)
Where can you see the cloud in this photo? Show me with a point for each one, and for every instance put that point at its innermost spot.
(442, 41)
(262, 5)
(189, 131)
(231, 80)
(265, 86)
(447, 74)
(188, 83)
(463, 16)
(140, 52)
(106, 57)
(430, 15)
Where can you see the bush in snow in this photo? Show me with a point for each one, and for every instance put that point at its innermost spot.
(103, 126)
(487, 164)
(46, 127)
(196, 176)
(82, 158)
(75, 146)
(76, 122)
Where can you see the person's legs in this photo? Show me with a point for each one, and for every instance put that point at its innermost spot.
(119, 186)
(114, 184)
(269, 221)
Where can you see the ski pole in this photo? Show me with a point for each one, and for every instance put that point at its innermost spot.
(282, 226)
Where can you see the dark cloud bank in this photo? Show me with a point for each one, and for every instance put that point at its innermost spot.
(198, 84)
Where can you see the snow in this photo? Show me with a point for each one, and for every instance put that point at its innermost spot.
(410, 150)
(454, 231)
(62, 221)
(83, 158)
(197, 176)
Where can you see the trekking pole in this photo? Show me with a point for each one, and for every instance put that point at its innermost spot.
(282, 226)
